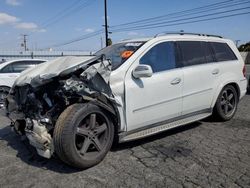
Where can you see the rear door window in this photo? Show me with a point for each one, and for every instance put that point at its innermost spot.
(209, 54)
(161, 57)
(223, 52)
(193, 53)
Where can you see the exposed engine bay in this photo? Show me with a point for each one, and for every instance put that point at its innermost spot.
(35, 103)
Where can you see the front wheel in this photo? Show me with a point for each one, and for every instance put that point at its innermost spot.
(83, 135)
(226, 104)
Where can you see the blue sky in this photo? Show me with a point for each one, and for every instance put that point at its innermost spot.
(31, 17)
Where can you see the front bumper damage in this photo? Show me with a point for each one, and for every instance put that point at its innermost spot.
(38, 98)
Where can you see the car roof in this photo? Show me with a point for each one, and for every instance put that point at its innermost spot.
(177, 36)
(17, 60)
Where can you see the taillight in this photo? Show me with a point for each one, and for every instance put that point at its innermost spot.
(244, 71)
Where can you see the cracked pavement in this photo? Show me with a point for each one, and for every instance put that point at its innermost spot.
(201, 154)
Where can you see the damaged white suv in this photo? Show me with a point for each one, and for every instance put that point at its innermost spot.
(75, 106)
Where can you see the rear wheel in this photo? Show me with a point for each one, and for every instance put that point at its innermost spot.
(83, 135)
(4, 91)
(226, 104)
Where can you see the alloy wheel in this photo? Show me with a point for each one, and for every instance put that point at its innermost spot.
(92, 135)
(228, 102)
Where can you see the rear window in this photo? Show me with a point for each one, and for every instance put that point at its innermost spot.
(119, 53)
(223, 52)
(192, 53)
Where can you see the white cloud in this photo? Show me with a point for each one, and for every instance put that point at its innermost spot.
(13, 2)
(7, 19)
(133, 33)
(89, 30)
(26, 25)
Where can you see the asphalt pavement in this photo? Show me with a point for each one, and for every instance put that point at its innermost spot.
(201, 154)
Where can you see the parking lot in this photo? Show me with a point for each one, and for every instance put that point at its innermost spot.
(202, 154)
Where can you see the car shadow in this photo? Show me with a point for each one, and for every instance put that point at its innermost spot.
(135, 143)
(28, 154)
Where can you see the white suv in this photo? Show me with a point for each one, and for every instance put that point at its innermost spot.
(10, 70)
(76, 106)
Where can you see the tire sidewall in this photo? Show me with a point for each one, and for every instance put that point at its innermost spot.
(219, 111)
(68, 136)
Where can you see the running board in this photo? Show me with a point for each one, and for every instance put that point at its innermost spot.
(154, 129)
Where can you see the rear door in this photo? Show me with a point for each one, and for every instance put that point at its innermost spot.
(157, 98)
(200, 73)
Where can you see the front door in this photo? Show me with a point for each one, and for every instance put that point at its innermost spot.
(156, 98)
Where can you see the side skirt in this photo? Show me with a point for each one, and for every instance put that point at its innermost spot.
(163, 126)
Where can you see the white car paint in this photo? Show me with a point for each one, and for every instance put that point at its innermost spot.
(147, 101)
(7, 79)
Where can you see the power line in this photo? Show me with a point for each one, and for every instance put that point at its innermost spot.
(195, 21)
(171, 14)
(139, 23)
(178, 20)
(172, 22)
(83, 37)
(69, 12)
(60, 13)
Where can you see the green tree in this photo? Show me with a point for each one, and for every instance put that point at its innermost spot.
(244, 47)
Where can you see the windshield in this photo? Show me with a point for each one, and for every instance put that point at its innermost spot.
(119, 53)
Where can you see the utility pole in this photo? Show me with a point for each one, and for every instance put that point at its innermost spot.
(101, 43)
(106, 22)
(24, 44)
(237, 42)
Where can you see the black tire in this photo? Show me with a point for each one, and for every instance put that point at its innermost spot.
(4, 91)
(76, 128)
(226, 104)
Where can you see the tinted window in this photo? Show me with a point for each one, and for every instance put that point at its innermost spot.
(192, 52)
(223, 52)
(161, 57)
(7, 69)
(119, 53)
(20, 66)
(208, 52)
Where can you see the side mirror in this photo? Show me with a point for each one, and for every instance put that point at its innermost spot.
(142, 71)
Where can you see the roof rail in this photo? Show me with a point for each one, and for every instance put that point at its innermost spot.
(185, 33)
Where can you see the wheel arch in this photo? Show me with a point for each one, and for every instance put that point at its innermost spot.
(112, 111)
(219, 89)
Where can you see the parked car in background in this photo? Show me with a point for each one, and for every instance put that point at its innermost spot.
(10, 70)
(127, 91)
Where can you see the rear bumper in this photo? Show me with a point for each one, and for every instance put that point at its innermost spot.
(243, 87)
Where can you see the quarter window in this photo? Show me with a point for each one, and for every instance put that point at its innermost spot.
(192, 53)
(223, 52)
(161, 57)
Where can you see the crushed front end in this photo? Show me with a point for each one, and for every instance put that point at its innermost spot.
(38, 98)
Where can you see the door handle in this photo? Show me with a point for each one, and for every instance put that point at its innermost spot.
(215, 71)
(176, 81)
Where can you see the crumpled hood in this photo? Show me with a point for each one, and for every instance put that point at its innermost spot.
(43, 73)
